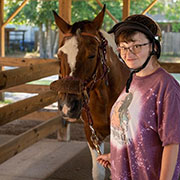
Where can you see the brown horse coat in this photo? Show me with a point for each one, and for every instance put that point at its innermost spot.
(90, 72)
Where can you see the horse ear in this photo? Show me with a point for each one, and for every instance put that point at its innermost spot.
(62, 24)
(99, 18)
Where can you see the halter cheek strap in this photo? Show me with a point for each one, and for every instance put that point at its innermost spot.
(133, 71)
(128, 83)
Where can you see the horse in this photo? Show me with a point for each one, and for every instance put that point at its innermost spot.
(91, 79)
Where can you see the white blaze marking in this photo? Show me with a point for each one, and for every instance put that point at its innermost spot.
(70, 48)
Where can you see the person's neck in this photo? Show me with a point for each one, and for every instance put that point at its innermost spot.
(151, 67)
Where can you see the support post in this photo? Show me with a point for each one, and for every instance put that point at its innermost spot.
(16, 12)
(126, 8)
(149, 7)
(2, 30)
(108, 12)
(2, 38)
(65, 13)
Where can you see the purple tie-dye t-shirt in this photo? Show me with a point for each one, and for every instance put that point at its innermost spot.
(142, 122)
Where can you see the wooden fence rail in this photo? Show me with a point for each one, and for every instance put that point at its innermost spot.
(27, 88)
(14, 77)
(24, 140)
(20, 62)
(21, 108)
(171, 67)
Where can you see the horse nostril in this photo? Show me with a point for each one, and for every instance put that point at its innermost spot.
(74, 105)
(60, 107)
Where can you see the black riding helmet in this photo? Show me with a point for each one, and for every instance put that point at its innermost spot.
(147, 26)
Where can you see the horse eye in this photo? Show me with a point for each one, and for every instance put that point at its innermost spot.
(91, 57)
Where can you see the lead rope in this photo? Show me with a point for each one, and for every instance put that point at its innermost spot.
(95, 140)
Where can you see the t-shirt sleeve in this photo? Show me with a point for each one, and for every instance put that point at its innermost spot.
(169, 122)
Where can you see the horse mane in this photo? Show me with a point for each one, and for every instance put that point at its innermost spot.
(79, 25)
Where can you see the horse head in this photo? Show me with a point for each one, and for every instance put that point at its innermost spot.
(79, 57)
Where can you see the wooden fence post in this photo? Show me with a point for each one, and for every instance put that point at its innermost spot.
(2, 38)
(65, 13)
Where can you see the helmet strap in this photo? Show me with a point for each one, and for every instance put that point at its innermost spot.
(133, 71)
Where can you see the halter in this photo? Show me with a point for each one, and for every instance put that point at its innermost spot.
(86, 86)
(90, 83)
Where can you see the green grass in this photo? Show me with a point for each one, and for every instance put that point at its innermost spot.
(6, 101)
(41, 82)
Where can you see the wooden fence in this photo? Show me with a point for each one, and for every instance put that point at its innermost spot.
(171, 43)
(14, 81)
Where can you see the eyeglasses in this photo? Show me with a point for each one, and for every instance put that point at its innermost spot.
(135, 49)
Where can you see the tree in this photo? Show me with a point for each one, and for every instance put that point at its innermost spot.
(39, 13)
(173, 13)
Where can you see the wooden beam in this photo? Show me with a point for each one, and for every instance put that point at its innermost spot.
(65, 10)
(21, 62)
(21, 108)
(27, 88)
(41, 115)
(2, 38)
(23, 75)
(19, 143)
(149, 7)
(15, 13)
(171, 67)
(65, 13)
(126, 8)
(45, 115)
(2, 30)
(107, 11)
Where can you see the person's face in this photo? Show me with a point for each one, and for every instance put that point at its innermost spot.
(135, 52)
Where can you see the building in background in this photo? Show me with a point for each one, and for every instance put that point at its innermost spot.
(20, 38)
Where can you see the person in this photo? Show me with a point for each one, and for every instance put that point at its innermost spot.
(145, 119)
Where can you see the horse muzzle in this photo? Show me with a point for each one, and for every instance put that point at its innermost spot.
(70, 102)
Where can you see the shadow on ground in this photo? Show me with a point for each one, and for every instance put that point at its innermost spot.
(78, 168)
